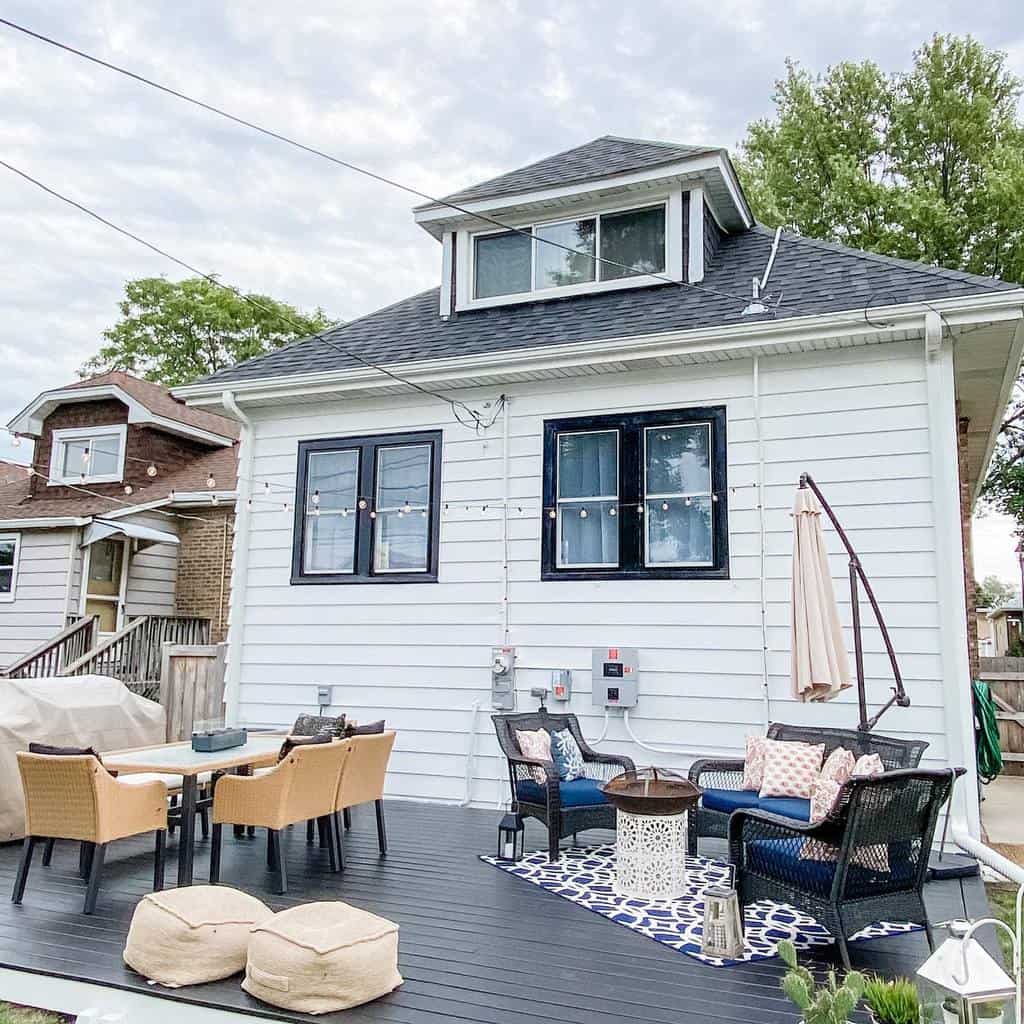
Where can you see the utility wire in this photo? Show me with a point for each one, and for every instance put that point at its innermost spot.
(383, 179)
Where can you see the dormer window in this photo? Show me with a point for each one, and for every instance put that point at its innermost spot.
(91, 455)
(510, 263)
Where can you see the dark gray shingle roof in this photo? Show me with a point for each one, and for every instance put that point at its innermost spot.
(814, 277)
(597, 159)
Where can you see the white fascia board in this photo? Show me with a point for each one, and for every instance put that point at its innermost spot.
(30, 420)
(44, 523)
(429, 217)
(190, 499)
(813, 330)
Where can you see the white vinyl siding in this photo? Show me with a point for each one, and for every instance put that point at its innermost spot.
(153, 571)
(855, 418)
(37, 613)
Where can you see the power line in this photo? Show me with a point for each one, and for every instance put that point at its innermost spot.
(383, 179)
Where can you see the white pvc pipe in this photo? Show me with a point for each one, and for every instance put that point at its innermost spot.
(762, 570)
(474, 711)
(604, 731)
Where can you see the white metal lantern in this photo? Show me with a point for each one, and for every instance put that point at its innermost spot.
(974, 989)
(723, 923)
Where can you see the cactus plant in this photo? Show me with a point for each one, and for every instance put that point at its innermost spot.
(832, 1003)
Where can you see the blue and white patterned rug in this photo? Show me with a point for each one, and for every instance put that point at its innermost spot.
(584, 875)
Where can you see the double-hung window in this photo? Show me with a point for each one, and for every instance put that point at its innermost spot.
(367, 509)
(638, 495)
(9, 544)
(91, 455)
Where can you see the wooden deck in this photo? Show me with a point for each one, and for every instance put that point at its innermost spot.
(477, 945)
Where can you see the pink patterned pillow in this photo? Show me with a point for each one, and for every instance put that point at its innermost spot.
(536, 746)
(753, 765)
(790, 769)
(868, 765)
(823, 799)
(838, 766)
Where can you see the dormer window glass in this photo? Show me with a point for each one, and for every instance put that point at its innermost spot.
(88, 455)
(509, 263)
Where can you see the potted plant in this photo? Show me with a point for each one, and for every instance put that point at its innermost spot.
(832, 1003)
(950, 1011)
(893, 1002)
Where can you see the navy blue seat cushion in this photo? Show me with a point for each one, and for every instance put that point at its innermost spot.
(577, 793)
(729, 800)
(780, 858)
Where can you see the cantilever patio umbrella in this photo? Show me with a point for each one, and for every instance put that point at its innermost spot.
(820, 668)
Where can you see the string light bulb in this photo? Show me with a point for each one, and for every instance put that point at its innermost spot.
(584, 513)
(128, 488)
(248, 502)
(171, 494)
(316, 511)
(211, 482)
(266, 487)
(423, 512)
(362, 503)
(344, 513)
(151, 470)
(613, 511)
(639, 510)
(373, 514)
(407, 508)
(689, 502)
(316, 499)
(552, 514)
(15, 440)
(664, 506)
(714, 497)
(214, 500)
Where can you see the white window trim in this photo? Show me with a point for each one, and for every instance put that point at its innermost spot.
(559, 501)
(649, 496)
(465, 279)
(8, 597)
(120, 599)
(60, 439)
(378, 509)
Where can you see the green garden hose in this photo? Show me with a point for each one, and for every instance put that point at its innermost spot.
(986, 731)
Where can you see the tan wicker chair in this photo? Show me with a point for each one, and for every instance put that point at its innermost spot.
(77, 798)
(301, 787)
(362, 781)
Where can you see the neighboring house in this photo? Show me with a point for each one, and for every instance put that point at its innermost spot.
(649, 445)
(12, 472)
(986, 637)
(1006, 631)
(99, 526)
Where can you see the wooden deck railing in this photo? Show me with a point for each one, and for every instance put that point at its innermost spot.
(133, 653)
(54, 655)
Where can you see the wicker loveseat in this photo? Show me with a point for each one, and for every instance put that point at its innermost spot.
(722, 780)
(866, 862)
(565, 807)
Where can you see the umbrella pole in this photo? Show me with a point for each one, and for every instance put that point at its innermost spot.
(857, 574)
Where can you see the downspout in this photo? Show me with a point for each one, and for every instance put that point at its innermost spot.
(240, 562)
(942, 449)
(762, 571)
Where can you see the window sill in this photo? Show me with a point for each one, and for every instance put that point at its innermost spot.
(546, 294)
(709, 573)
(78, 481)
(351, 578)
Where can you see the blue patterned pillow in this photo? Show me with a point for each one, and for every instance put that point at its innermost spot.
(566, 754)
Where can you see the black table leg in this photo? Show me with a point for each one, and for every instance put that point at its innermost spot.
(186, 842)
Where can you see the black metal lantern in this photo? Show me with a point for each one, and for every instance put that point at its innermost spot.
(510, 838)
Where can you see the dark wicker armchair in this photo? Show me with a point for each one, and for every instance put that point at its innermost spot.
(564, 807)
(866, 862)
(718, 774)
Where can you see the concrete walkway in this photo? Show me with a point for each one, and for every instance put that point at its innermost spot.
(1002, 812)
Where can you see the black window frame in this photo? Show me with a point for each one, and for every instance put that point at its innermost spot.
(366, 525)
(630, 427)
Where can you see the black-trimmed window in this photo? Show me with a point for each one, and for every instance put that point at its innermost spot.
(636, 496)
(367, 509)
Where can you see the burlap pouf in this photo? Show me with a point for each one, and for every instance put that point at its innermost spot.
(322, 957)
(191, 935)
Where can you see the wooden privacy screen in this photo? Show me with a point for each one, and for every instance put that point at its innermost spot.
(191, 686)
(1005, 677)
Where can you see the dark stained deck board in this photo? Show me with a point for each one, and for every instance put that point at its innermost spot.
(476, 945)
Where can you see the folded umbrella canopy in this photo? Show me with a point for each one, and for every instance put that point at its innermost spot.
(820, 665)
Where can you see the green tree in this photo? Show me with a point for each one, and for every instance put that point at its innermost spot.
(173, 332)
(926, 164)
(992, 592)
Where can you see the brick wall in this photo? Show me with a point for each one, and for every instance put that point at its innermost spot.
(965, 527)
(204, 568)
(144, 445)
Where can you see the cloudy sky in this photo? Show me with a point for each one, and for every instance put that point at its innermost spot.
(435, 93)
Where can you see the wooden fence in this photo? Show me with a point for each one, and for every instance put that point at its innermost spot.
(1005, 677)
(191, 686)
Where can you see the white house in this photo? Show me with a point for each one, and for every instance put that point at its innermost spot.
(617, 471)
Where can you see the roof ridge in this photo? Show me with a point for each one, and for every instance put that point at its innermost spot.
(664, 144)
(928, 269)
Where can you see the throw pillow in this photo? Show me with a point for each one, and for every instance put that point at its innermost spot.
(823, 799)
(370, 729)
(536, 746)
(753, 765)
(838, 766)
(291, 742)
(566, 754)
(310, 725)
(790, 769)
(868, 765)
(51, 751)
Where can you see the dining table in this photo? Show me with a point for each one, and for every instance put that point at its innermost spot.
(258, 751)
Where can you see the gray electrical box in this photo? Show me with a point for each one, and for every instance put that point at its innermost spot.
(503, 678)
(614, 673)
(561, 684)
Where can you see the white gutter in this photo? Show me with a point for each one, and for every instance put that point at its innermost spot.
(740, 339)
(44, 524)
(240, 562)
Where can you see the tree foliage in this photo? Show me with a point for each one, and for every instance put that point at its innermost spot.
(173, 332)
(925, 164)
(992, 592)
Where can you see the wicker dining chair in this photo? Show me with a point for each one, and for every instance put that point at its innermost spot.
(300, 787)
(361, 782)
(76, 798)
